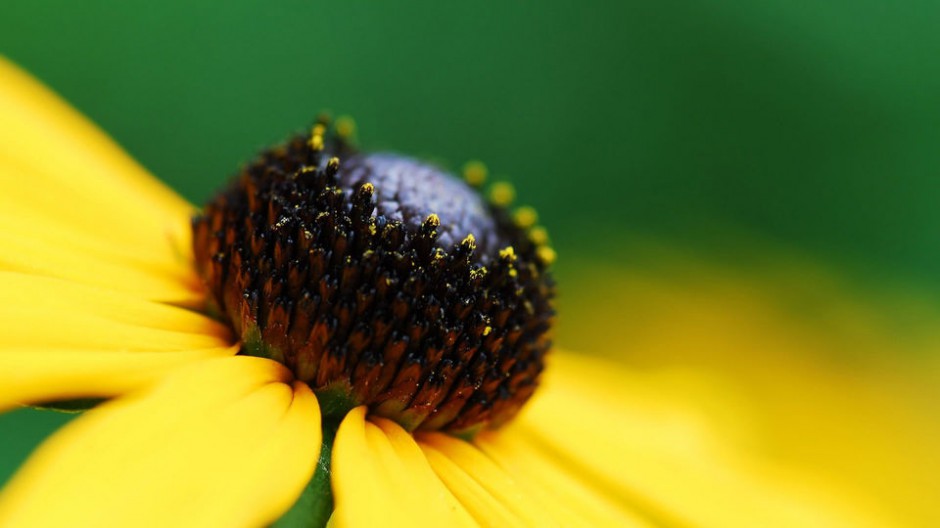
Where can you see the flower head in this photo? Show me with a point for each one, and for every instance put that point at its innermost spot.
(381, 281)
(105, 297)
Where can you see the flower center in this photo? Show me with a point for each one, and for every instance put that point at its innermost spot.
(383, 280)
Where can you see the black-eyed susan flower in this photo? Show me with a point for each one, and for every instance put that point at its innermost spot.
(337, 336)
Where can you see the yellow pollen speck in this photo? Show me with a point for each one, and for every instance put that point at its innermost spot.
(345, 126)
(470, 240)
(538, 235)
(547, 254)
(487, 330)
(372, 229)
(474, 172)
(433, 220)
(478, 273)
(318, 130)
(502, 194)
(525, 217)
(333, 163)
(508, 253)
(316, 142)
(368, 187)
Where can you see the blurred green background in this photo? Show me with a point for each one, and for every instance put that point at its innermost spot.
(811, 125)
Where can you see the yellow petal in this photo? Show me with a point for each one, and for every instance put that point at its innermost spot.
(61, 340)
(41, 375)
(48, 248)
(595, 418)
(63, 170)
(495, 497)
(488, 509)
(560, 489)
(227, 442)
(381, 478)
(826, 372)
(38, 312)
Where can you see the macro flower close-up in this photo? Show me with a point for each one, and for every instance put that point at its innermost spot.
(346, 333)
(201, 432)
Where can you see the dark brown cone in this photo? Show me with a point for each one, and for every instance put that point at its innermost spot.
(359, 291)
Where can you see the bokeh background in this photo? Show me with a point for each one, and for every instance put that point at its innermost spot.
(746, 190)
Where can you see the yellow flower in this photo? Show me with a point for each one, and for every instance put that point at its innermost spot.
(100, 300)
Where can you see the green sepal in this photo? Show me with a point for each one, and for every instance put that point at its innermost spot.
(336, 400)
(254, 345)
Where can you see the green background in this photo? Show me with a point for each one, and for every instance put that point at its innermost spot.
(712, 124)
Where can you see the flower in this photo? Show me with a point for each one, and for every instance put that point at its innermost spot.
(102, 300)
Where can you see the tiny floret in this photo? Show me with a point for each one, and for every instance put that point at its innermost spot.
(538, 235)
(546, 254)
(508, 253)
(502, 194)
(525, 217)
(474, 173)
(469, 242)
(332, 165)
(316, 143)
(345, 127)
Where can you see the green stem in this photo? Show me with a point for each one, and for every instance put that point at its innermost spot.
(315, 505)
